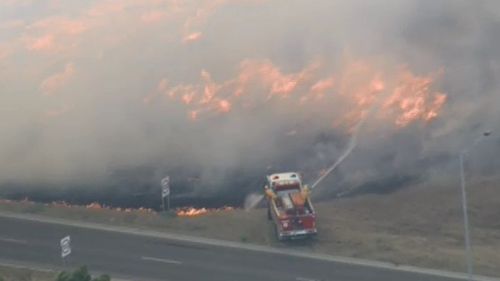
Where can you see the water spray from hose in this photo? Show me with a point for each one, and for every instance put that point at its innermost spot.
(252, 200)
(352, 144)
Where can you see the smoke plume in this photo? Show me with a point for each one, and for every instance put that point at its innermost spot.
(101, 99)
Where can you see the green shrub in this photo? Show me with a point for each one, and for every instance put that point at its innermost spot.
(80, 274)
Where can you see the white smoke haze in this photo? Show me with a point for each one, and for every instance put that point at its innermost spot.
(114, 94)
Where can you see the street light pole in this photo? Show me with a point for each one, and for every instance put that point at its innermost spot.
(468, 251)
(468, 254)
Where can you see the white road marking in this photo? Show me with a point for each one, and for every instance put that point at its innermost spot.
(305, 279)
(11, 240)
(161, 260)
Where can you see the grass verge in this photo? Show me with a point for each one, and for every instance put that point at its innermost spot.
(8, 273)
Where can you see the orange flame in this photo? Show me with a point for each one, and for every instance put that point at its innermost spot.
(191, 212)
(412, 99)
(195, 36)
(92, 206)
(401, 97)
(194, 212)
(224, 106)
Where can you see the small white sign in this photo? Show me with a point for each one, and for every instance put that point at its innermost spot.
(65, 246)
(165, 184)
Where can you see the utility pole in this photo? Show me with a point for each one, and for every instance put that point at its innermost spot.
(468, 251)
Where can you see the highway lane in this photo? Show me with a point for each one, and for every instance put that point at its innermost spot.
(148, 258)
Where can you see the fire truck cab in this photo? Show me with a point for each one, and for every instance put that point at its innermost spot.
(289, 206)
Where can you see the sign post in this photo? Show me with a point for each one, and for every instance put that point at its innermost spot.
(65, 248)
(165, 192)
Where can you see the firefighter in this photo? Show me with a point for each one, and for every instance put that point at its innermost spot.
(305, 192)
(270, 193)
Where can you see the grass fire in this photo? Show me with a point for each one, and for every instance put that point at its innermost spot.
(367, 129)
(194, 212)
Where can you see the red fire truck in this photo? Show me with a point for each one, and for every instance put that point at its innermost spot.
(289, 206)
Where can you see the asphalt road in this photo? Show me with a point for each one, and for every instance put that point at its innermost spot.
(139, 257)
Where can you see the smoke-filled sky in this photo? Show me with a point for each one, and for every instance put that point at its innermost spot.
(218, 92)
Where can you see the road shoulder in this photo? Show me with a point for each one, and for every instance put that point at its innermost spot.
(242, 246)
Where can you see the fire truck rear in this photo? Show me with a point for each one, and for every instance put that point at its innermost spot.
(290, 207)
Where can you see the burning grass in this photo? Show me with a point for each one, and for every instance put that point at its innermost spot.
(194, 212)
(34, 207)
(404, 97)
(181, 220)
(28, 206)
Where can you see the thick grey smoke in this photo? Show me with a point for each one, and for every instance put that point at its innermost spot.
(85, 105)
